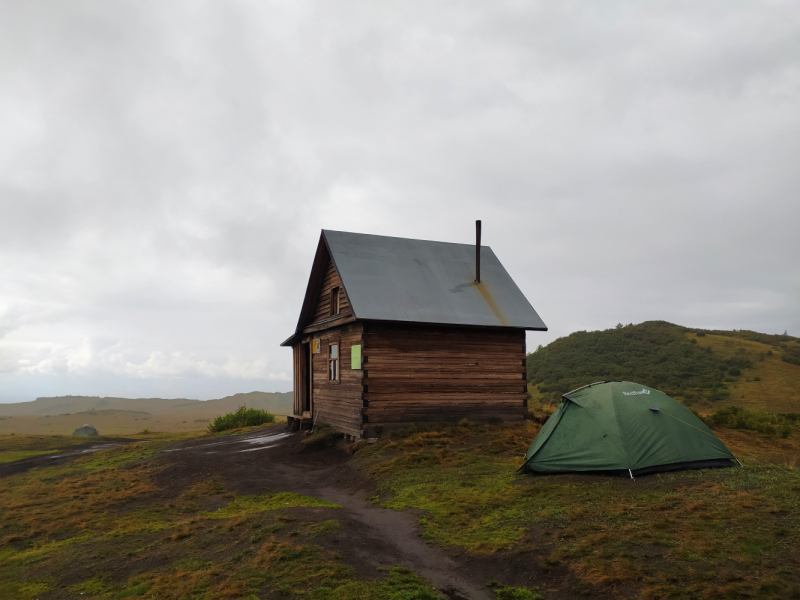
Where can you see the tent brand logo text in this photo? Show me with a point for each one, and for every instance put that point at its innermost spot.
(635, 393)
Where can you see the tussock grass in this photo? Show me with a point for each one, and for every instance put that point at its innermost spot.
(7, 456)
(247, 505)
(682, 534)
(76, 527)
(516, 593)
(41, 443)
(242, 417)
(323, 435)
(322, 528)
(101, 525)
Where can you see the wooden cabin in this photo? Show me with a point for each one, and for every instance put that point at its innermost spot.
(395, 331)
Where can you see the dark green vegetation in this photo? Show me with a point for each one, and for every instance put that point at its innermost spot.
(242, 417)
(513, 593)
(721, 533)
(679, 361)
(735, 417)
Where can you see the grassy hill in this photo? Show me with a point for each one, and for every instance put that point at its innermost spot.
(124, 416)
(708, 369)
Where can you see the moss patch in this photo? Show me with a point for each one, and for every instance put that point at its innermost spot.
(247, 505)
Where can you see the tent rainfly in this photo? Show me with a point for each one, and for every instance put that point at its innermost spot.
(85, 430)
(619, 426)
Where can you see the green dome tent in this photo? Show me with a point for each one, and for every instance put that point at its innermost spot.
(85, 430)
(624, 427)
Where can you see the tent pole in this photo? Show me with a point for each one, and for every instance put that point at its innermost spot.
(632, 477)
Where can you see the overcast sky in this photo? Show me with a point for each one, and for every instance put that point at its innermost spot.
(166, 168)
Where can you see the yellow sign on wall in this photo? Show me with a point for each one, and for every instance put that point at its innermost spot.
(316, 346)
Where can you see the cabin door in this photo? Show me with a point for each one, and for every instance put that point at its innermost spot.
(308, 384)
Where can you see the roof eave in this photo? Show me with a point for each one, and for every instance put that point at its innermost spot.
(290, 341)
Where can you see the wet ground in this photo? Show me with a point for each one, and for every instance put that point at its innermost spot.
(61, 457)
(369, 538)
(271, 459)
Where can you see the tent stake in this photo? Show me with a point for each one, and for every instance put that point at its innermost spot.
(632, 477)
(740, 462)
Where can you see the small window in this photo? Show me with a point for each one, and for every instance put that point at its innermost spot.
(335, 301)
(333, 362)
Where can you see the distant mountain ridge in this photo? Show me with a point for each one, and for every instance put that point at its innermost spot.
(278, 403)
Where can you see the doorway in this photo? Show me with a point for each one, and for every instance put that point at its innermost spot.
(308, 384)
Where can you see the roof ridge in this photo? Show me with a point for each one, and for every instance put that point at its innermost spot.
(397, 237)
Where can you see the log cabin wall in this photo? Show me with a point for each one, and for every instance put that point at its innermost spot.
(423, 372)
(338, 403)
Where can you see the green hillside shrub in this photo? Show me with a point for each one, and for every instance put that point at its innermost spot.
(791, 353)
(736, 417)
(243, 417)
(655, 353)
(753, 336)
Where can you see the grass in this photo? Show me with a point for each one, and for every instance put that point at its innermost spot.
(7, 456)
(771, 385)
(247, 505)
(102, 527)
(41, 443)
(515, 593)
(736, 417)
(242, 417)
(323, 435)
(683, 534)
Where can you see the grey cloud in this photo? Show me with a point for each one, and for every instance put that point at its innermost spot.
(165, 171)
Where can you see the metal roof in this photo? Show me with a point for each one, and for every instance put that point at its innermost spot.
(398, 279)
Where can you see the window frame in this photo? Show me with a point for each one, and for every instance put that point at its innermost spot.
(335, 362)
(336, 306)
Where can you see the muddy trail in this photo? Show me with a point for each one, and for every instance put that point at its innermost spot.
(370, 538)
(64, 456)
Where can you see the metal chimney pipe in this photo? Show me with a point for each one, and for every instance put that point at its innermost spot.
(477, 251)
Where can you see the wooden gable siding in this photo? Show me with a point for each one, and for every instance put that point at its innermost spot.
(338, 404)
(330, 280)
(429, 373)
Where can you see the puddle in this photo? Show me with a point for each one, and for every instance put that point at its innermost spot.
(266, 439)
(259, 448)
(259, 439)
(86, 450)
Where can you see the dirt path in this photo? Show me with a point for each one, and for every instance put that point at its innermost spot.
(369, 538)
(60, 457)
